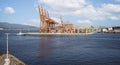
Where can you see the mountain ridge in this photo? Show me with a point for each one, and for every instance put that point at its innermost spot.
(7, 25)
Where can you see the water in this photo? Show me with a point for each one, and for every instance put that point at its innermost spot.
(97, 49)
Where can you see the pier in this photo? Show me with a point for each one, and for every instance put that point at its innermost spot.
(37, 33)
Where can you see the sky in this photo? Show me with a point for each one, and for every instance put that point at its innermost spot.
(78, 12)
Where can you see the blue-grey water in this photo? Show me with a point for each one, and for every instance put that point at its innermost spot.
(96, 49)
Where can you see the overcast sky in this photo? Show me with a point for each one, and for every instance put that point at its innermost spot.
(79, 12)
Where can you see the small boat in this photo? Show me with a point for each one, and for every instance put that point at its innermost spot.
(20, 33)
(9, 59)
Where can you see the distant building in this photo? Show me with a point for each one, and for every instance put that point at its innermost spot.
(104, 30)
(110, 29)
(116, 29)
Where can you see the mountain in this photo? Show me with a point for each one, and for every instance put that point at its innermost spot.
(6, 25)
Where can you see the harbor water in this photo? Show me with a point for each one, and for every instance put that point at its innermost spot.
(95, 49)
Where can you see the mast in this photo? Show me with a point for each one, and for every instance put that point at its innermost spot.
(61, 20)
(47, 14)
(7, 51)
(44, 12)
(7, 60)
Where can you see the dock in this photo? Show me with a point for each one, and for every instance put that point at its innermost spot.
(37, 33)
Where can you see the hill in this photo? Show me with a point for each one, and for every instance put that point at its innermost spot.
(6, 25)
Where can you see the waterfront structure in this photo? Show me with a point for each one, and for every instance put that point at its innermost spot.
(111, 29)
(65, 27)
(116, 29)
(46, 23)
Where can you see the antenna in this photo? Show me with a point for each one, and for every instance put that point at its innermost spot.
(61, 20)
(48, 14)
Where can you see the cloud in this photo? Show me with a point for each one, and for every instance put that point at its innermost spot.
(9, 10)
(63, 7)
(64, 3)
(114, 18)
(83, 9)
(111, 8)
(117, 0)
(32, 22)
(36, 22)
(56, 19)
(105, 12)
(109, 11)
(84, 22)
(88, 12)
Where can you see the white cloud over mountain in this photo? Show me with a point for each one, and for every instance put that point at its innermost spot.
(9, 10)
(32, 22)
(84, 22)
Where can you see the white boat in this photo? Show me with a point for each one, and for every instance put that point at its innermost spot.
(20, 33)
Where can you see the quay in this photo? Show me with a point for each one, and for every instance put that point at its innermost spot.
(37, 33)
